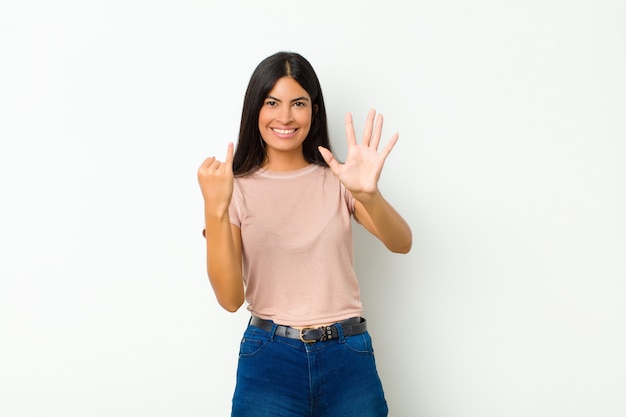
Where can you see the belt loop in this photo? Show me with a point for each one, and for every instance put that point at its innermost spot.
(273, 331)
(342, 338)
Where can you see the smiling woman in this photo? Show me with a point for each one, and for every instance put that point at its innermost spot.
(278, 235)
(284, 123)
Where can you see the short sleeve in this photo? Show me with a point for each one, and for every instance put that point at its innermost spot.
(349, 198)
(236, 203)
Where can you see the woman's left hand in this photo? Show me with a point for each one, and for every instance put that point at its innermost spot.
(361, 170)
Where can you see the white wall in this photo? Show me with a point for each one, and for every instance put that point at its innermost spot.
(510, 169)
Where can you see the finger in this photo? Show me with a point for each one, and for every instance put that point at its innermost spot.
(214, 164)
(330, 159)
(392, 142)
(229, 156)
(350, 136)
(204, 168)
(207, 162)
(369, 124)
(378, 130)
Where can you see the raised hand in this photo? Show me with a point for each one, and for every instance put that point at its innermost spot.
(216, 182)
(361, 170)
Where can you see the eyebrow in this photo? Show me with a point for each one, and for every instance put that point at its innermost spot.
(303, 98)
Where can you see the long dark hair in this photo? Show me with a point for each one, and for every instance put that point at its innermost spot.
(250, 153)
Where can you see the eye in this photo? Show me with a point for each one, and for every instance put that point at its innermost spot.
(299, 104)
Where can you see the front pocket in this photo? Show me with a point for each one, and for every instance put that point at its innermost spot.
(360, 343)
(253, 341)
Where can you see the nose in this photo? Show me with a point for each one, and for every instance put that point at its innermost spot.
(285, 116)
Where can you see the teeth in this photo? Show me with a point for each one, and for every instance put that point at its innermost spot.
(284, 131)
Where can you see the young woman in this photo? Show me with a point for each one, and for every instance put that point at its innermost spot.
(278, 235)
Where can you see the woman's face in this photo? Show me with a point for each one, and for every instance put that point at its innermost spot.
(285, 119)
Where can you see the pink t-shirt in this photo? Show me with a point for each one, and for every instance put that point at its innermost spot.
(296, 235)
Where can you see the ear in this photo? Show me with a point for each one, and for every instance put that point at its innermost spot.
(315, 109)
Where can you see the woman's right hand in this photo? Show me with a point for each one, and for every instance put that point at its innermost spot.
(216, 182)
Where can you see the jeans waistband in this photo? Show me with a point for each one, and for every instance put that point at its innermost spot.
(349, 327)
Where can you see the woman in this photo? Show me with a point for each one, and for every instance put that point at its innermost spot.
(278, 235)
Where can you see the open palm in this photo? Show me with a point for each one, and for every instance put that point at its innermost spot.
(361, 170)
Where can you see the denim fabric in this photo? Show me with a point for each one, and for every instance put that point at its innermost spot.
(281, 377)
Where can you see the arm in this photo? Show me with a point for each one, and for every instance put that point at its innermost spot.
(360, 174)
(223, 240)
(384, 222)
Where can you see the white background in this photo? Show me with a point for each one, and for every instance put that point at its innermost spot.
(511, 170)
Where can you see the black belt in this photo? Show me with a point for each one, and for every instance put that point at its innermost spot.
(350, 327)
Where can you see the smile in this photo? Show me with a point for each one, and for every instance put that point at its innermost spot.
(284, 131)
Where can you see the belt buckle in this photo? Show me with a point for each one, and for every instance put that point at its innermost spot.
(302, 339)
(325, 331)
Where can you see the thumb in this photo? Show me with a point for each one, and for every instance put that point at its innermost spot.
(330, 159)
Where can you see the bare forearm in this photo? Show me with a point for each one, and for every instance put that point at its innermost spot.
(387, 224)
(223, 262)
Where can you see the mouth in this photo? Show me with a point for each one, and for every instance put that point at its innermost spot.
(284, 131)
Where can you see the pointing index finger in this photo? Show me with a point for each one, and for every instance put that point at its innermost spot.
(229, 154)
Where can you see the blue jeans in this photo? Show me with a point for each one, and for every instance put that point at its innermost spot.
(281, 377)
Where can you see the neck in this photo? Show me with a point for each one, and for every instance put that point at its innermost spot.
(281, 161)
